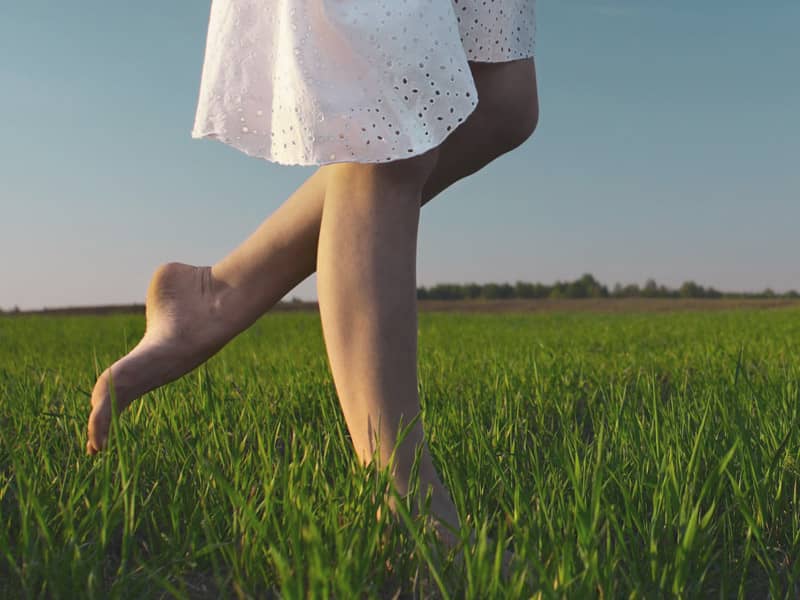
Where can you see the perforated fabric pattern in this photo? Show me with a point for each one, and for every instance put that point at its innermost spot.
(307, 82)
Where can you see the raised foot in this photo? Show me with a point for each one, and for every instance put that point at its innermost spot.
(185, 326)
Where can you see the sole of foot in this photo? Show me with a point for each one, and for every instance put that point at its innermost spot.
(185, 326)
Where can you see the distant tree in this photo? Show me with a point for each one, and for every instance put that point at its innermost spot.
(593, 288)
(665, 292)
(523, 289)
(584, 287)
(491, 291)
(574, 290)
(631, 291)
(650, 289)
(541, 291)
(689, 289)
(473, 290)
(579, 288)
(446, 291)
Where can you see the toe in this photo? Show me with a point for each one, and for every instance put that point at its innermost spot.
(96, 438)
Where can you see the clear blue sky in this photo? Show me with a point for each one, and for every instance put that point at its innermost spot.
(668, 147)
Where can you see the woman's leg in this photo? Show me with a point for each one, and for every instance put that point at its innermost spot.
(285, 245)
(192, 312)
(366, 285)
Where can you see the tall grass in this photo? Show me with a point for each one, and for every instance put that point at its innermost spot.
(641, 455)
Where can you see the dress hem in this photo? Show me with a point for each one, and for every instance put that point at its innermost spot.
(226, 139)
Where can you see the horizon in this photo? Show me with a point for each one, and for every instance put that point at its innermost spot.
(666, 149)
(610, 288)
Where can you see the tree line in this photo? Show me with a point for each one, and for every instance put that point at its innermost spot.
(584, 287)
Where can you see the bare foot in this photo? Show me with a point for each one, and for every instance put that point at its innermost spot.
(185, 327)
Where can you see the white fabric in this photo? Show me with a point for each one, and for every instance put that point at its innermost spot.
(309, 82)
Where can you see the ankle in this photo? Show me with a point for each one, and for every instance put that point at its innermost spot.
(216, 291)
(120, 381)
(234, 306)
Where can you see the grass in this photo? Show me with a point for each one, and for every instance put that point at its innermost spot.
(638, 455)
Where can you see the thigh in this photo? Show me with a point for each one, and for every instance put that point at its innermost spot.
(506, 115)
(508, 99)
(505, 85)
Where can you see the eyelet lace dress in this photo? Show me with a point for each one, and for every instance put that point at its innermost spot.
(312, 82)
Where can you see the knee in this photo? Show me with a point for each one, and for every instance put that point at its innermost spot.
(407, 174)
(513, 118)
(508, 104)
(524, 111)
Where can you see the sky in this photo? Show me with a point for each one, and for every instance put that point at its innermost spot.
(668, 147)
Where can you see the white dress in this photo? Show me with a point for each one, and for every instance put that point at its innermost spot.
(311, 82)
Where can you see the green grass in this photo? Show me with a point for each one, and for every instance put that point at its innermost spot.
(641, 455)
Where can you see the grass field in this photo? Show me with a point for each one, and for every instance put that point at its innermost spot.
(617, 455)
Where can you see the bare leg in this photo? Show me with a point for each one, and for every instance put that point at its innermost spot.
(192, 312)
(366, 284)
